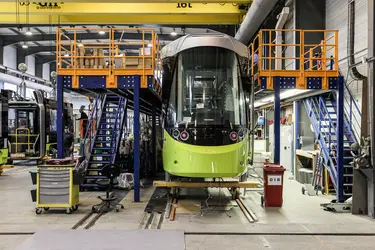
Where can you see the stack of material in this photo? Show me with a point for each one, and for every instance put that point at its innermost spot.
(93, 58)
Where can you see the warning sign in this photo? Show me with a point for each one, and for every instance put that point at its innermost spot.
(274, 180)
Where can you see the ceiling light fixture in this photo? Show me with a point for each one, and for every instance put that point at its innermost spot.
(66, 54)
(29, 33)
(149, 45)
(173, 33)
(102, 32)
(25, 46)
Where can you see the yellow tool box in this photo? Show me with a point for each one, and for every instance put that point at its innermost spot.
(57, 186)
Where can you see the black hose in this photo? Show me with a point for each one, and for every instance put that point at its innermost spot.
(351, 39)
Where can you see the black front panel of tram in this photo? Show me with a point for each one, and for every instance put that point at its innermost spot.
(208, 136)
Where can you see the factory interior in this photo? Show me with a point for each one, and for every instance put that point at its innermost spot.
(203, 124)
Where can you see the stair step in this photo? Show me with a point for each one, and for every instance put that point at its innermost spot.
(102, 148)
(348, 175)
(94, 169)
(348, 184)
(95, 177)
(99, 162)
(111, 107)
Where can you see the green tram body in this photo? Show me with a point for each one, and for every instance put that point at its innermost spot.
(205, 109)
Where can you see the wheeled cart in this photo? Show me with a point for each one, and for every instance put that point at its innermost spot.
(57, 187)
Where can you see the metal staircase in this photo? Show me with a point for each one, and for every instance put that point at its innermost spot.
(322, 111)
(103, 135)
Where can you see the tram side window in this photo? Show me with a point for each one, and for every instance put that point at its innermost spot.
(171, 109)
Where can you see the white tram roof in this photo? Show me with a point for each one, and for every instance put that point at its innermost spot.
(204, 40)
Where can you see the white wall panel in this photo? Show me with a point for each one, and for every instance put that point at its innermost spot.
(337, 19)
(10, 57)
(289, 37)
(46, 71)
(30, 62)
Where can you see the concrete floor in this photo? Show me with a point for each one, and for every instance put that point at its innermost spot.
(300, 214)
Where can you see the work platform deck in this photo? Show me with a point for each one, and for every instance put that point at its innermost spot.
(107, 67)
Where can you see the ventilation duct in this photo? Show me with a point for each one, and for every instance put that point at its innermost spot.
(29, 84)
(257, 13)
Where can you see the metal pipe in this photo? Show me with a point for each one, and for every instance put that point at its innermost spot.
(258, 11)
(29, 84)
(351, 39)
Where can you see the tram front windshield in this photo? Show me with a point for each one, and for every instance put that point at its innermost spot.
(207, 89)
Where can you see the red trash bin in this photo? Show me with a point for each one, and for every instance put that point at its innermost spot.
(273, 185)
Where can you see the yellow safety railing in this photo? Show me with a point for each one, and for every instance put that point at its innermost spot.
(295, 53)
(117, 51)
(18, 135)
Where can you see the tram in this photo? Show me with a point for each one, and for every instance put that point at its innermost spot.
(205, 111)
(32, 125)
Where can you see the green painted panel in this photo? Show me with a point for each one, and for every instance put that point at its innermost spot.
(3, 156)
(204, 161)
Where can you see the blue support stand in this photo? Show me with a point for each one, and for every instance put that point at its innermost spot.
(60, 116)
(340, 140)
(297, 121)
(136, 143)
(154, 138)
(276, 87)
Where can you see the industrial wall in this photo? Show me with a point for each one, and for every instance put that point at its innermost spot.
(337, 19)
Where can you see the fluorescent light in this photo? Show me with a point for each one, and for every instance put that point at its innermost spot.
(284, 95)
(102, 32)
(29, 33)
(173, 33)
(25, 46)
(149, 45)
(80, 45)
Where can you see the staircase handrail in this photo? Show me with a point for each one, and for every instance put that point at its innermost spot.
(352, 103)
(349, 113)
(123, 117)
(114, 133)
(323, 146)
(97, 114)
(89, 126)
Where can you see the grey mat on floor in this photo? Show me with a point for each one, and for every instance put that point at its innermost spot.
(105, 239)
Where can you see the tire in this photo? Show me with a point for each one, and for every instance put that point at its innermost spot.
(46, 208)
(122, 206)
(38, 210)
(75, 207)
(68, 211)
(303, 190)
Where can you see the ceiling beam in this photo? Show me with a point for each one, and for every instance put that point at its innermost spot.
(148, 1)
(8, 40)
(37, 49)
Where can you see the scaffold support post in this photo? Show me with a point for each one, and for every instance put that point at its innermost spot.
(60, 116)
(136, 141)
(276, 123)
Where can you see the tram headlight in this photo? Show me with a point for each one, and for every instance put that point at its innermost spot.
(184, 135)
(233, 136)
(176, 133)
(241, 134)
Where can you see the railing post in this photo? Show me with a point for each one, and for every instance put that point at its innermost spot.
(351, 114)
(340, 141)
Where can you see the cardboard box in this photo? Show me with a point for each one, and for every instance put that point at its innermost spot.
(289, 119)
(131, 61)
(146, 50)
